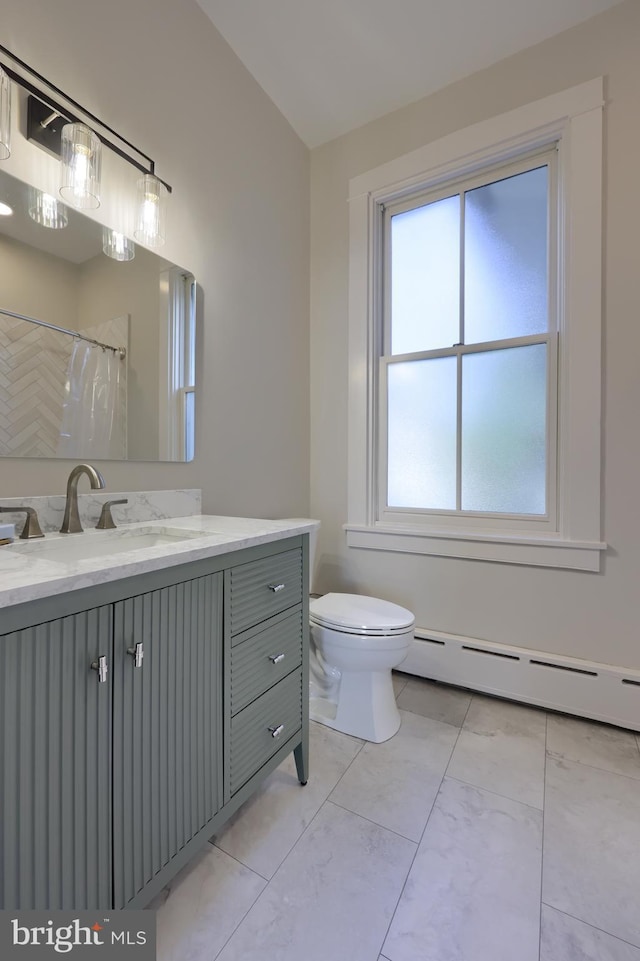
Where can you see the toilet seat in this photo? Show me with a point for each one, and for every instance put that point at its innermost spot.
(360, 614)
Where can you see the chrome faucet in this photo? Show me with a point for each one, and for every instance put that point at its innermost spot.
(71, 523)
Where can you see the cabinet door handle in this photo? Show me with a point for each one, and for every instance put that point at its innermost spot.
(276, 588)
(137, 653)
(277, 731)
(101, 667)
(276, 658)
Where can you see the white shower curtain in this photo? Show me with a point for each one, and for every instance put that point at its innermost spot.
(94, 417)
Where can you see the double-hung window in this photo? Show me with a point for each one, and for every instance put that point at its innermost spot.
(474, 322)
(467, 375)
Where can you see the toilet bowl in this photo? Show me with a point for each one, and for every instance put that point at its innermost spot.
(356, 641)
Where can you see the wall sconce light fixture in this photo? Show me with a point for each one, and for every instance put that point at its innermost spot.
(116, 245)
(46, 210)
(62, 126)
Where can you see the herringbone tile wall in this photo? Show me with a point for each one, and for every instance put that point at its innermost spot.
(33, 371)
(33, 368)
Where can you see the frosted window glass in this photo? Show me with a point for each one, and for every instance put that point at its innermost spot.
(422, 434)
(425, 277)
(504, 430)
(505, 273)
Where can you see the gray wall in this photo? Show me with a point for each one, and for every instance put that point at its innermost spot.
(38, 284)
(239, 220)
(580, 614)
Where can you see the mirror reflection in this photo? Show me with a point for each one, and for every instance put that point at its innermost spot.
(116, 379)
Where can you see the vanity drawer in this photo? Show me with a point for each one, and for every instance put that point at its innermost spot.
(262, 588)
(262, 728)
(264, 658)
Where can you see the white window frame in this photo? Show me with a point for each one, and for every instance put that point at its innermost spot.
(177, 361)
(571, 119)
(459, 519)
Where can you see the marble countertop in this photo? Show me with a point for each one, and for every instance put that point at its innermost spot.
(27, 575)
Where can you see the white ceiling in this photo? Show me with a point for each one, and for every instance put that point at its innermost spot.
(332, 65)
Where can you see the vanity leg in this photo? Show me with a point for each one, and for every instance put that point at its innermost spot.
(301, 756)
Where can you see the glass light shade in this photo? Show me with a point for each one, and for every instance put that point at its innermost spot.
(5, 115)
(81, 166)
(116, 245)
(46, 210)
(152, 211)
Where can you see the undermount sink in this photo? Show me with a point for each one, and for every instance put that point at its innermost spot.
(79, 547)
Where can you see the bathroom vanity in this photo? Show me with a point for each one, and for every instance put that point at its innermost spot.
(146, 693)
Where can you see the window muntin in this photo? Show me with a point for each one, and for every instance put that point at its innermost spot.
(468, 405)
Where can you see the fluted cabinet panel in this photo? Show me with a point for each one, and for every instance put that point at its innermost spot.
(262, 588)
(265, 658)
(260, 729)
(55, 770)
(167, 731)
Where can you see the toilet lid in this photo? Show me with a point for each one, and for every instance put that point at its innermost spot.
(356, 613)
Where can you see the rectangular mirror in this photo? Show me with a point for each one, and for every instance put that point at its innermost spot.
(130, 396)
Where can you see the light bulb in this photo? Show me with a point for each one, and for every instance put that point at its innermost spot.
(81, 166)
(152, 195)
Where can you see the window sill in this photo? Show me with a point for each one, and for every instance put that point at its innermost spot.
(549, 550)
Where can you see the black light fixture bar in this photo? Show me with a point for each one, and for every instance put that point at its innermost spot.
(147, 165)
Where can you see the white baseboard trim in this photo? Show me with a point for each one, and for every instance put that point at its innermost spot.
(603, 692)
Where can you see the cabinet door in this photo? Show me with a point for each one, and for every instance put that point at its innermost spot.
(55, 776)
(167, 736)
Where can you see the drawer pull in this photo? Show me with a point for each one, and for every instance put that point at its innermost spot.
(277, 731)
(137, 653)
(276, 658)
(101, 667)
(276, 588)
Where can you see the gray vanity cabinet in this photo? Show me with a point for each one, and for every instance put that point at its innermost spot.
(167, 703)
(55, 775)
(138, 715)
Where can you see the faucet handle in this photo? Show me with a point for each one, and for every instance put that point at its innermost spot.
(106, 522)
(31, 525)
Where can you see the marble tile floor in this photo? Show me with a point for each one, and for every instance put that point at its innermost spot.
(483, 831)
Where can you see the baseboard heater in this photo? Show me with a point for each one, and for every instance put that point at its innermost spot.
(588, 689)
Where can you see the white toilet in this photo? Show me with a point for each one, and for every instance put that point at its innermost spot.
(355, 643)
